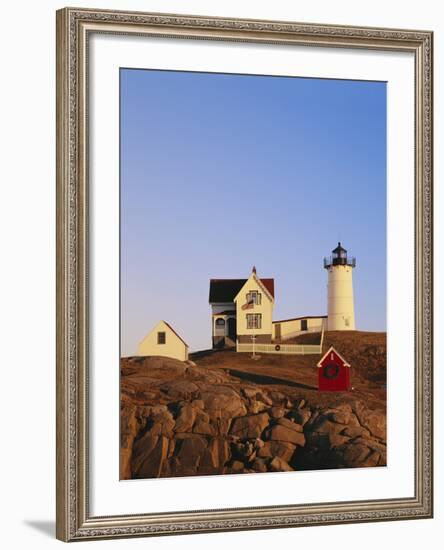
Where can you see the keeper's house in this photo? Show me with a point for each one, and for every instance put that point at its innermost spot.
(163, 341)
(243, 308)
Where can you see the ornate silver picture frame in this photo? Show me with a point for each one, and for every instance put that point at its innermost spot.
(74, 211)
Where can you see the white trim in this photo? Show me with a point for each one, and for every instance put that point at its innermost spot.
(261, 285)
(168, 327)
(345, 363)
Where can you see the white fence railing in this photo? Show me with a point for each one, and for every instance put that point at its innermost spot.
(287, 349)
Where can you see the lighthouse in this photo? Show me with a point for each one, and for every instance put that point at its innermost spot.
(341, 309)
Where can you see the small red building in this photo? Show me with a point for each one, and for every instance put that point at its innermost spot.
(333, 372)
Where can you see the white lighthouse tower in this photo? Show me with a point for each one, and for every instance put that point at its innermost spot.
(341, 309)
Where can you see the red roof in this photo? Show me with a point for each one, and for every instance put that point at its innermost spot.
(225, 290)
(269, 285)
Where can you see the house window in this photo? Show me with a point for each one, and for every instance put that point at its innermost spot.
(254, 297)
(254, 320)
(161, 337)
(304, 325)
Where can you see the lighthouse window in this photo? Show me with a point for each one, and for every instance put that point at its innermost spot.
(254, 320)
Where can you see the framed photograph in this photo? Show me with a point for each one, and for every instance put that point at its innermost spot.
(244, 274)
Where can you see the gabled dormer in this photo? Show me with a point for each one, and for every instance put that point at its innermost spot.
(254, 288)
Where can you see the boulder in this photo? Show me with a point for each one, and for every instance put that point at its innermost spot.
(250, 393)
(142, 448)
(354, 431)
(149, 456)
(162, 423)
(191, 449)
(237, 466)
(128, 429)
(301, 416)
(180, 389)
(186, 418)
(255, 407)
(277, 412)
(325, 426)
(373, 421)
(344, 407)
(144, 396)
(143, 412)
(354, 454)
(214, 457)
(257, 394)
(326, 434)
(244, 451)
(262, 396)
(315, 413)
(290, 425)
(277, 397)
(251, 426)
(382, 460)
(203, 425)
(222, 425)
(171, 447)
(282, 433)
(353, 421)
(279, 465)
(372, 444)
(282, 449)
(157, 409)
(336, 440)
(259, 465)
(223, 402)
(371, 461)
(258, 443)
(340, 417)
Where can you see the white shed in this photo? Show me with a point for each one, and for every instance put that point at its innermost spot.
(163, 341)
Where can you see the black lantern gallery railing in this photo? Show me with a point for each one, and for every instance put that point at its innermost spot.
(328, 262)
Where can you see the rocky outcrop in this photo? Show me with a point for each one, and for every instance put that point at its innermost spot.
(178, 419)
(250, 426)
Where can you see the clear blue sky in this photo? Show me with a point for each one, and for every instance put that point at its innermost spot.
(220, 172)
